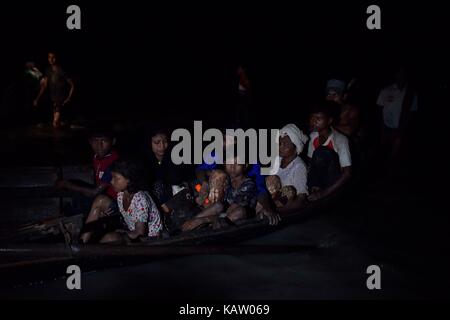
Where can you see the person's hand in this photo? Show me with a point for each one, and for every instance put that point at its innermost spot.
(271, 215)
(66, 101)
(106, 213)
(214, 195)
(316, 196)
(35, 103)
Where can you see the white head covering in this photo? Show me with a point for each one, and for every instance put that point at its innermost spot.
(296, 135)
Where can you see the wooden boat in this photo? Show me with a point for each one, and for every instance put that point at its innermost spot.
(47, 246)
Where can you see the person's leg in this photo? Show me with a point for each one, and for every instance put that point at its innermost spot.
(56, 114)
(99, 206)
(112, 237)
(237, 213)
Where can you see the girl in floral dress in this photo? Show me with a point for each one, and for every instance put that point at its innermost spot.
(139, 212)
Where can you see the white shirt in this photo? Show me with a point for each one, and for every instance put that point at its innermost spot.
(391, 99)
(295, 174)
(336, 141)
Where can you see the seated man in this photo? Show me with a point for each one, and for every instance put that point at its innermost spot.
(95, 201)
(330, 159)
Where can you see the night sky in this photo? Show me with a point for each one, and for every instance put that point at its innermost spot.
(178, 62)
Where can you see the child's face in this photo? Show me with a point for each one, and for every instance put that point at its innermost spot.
(160, 144)
(320, 121)
(286, 147)
(51, 59)
(101, 145)
(234, 169)
(119, 182)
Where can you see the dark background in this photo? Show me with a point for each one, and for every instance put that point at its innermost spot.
(142, 61)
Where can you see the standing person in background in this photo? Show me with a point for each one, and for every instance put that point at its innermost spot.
(242, 114)
(348, 115)
(56, 80)
(398, 102)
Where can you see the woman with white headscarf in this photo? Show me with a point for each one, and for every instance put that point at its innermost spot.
(292, 171)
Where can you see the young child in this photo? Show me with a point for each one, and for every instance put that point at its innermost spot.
(102, 142)
(263, 207)
(56, 80)
(236, 199)
(139, 211)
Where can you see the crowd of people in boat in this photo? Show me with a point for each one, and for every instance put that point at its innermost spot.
(154, 197)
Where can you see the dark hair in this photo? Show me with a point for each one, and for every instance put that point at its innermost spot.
(329, 108)
(156, 129)
(101, 131)
(247, 165)
(134, 171)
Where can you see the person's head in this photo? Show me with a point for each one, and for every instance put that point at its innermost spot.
(128, 176)
(292, 140)
(51, 58)
(101, 140)
(159, 141)
(336, 91)
(235, 168)
(322, 116)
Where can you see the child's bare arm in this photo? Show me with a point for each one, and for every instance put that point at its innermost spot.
(41, 91)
